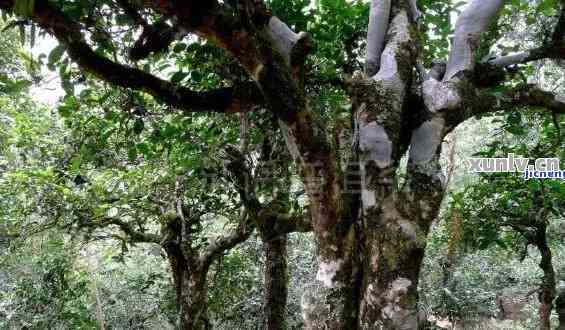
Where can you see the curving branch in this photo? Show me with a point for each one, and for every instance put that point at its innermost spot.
(68, 32)
(155, 38)
(378, 24)
(535, 54)
(221, 244)
(472, 22)
(534, 96)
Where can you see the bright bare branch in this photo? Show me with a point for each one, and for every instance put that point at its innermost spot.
(472, 22)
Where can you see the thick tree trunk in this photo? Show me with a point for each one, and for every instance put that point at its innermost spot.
(389, 300)
(190, 281)
(396, 229)
(391, 280)
(547, 289)
(335, 304)
(276, 283)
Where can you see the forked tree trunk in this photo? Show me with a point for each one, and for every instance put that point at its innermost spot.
(371, 281)
(190, 266)
(276, 284)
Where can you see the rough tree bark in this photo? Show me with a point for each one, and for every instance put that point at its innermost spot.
(276, 283)
(370, 245)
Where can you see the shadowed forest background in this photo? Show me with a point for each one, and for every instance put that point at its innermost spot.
(156, 173)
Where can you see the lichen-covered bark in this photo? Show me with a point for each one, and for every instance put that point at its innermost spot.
(395, 251)
(334, 305)
(308, 142)
(394, 230)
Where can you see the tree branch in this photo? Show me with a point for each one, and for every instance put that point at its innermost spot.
(155, 38)
(287, 41)
(68, 32)
(271, 224)
(274, 225)
(555, 49)
(224, 243)
(378, 25)
(529, 95)
(534, 54)
(472, 22)
(134, 235)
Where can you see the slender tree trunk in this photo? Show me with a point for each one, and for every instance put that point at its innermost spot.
(547, 289)
(560, 309)
(99, 311)
(276, 281)
(275, 244)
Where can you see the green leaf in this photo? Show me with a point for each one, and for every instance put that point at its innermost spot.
(179, 47)
(143, 148)
(65, 111)
(55, 55)
(132, 154)
(178, 76)
(75, 163)
(196, 76)
(138, 126)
